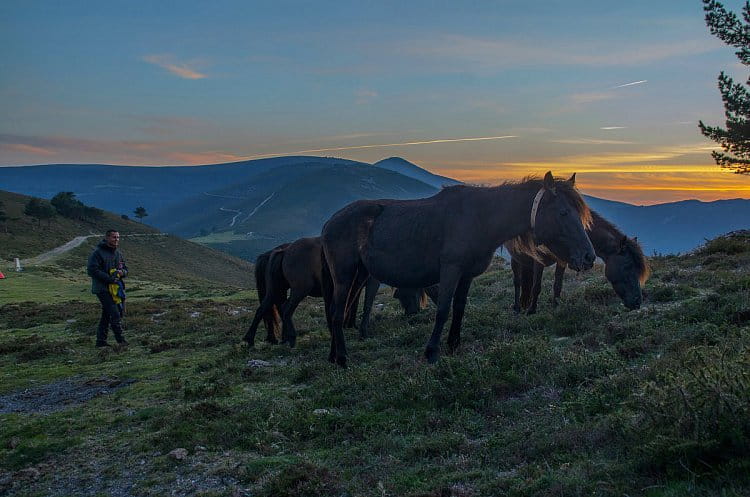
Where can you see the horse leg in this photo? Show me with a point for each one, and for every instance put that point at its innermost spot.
(536, 288)
(265, 307)
(371, 290)
(350, 320)
(515, 265)
(557, 287)
(344, 277)
(288, 332)
(459, 306)
(449, 278)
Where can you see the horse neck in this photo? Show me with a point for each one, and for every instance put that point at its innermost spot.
(604, 237)
(506, 211)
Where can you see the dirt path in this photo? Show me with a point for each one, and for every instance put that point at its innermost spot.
(57, 251)
(67, 247)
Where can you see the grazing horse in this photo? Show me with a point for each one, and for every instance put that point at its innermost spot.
(297, 268)
(625, 267)
(449, 239)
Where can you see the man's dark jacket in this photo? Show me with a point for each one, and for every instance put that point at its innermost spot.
(101, 261)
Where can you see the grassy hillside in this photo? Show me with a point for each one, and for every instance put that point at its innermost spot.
(584, 399)
(159, 263)
(283, 204)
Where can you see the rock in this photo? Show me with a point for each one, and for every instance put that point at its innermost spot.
(321, 412)
(195, 314)
(28, 474)
(178, 454)
(14, 442)
(257, 363)
(71, 321)
(200, 448)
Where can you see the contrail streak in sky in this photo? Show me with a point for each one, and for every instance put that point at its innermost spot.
(631, 84)
(404, 144)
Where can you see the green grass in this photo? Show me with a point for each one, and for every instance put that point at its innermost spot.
(582, 399)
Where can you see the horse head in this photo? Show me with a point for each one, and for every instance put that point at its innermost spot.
(559, 217)
(627, 270)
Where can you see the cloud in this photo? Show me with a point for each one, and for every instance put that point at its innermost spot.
(591, 141)
(183, 70)
(498, 53)
(610, 128)
(365, 96)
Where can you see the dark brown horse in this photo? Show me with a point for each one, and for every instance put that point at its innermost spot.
(296, 268)
(625, 267)
(448, 238)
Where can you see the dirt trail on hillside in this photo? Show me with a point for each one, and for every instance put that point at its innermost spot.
(67, 247)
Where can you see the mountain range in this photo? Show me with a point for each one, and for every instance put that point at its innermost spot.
(250, 206)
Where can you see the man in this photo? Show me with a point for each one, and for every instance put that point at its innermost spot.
(106, 266)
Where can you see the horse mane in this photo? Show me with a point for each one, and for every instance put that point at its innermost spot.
(524, 243)
(630, 245)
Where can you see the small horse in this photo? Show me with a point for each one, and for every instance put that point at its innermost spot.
(449, 239)
(294, 267)
(625, 267)
(297, 268)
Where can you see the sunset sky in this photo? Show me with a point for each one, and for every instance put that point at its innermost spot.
(479, 91)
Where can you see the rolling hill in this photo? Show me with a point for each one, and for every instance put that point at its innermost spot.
(153, 256)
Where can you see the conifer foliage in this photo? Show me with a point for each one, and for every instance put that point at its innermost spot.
(735, 138)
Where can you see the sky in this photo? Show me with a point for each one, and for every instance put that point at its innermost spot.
(479, 91)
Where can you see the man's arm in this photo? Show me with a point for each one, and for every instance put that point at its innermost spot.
(94, 269)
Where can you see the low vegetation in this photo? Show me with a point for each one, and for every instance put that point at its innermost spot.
(582, 399)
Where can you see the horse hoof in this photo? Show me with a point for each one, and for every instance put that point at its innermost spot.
(272, 341)
(516, 309)
(530, 312)
(292, 342)
(341, 361)
(453, 347)
(431, 355)
(332, 358)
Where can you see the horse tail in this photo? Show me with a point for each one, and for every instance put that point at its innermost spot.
(422, 299)
(274, 282)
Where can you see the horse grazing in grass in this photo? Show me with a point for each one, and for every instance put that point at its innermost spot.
(625, 267)
(297, 269)
(449, 239)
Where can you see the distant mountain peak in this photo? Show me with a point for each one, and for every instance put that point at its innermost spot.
(403, 166)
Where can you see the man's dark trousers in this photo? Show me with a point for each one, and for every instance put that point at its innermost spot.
(110, 317)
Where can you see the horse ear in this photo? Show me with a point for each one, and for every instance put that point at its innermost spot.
(623, 242)
(549, 181)
(572, 180)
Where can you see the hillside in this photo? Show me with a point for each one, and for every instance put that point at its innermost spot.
(582, 399)
(154, 257)
(281, 205)
(121, 189)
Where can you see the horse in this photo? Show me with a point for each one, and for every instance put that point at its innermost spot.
(625, 267)
(297, 268)
(449, 239)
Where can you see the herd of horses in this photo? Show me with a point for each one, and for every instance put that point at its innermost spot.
(434, 247)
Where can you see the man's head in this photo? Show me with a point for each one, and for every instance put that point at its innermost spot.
(112, 237)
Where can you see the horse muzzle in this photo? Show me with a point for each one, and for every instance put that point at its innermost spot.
(583, 261)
